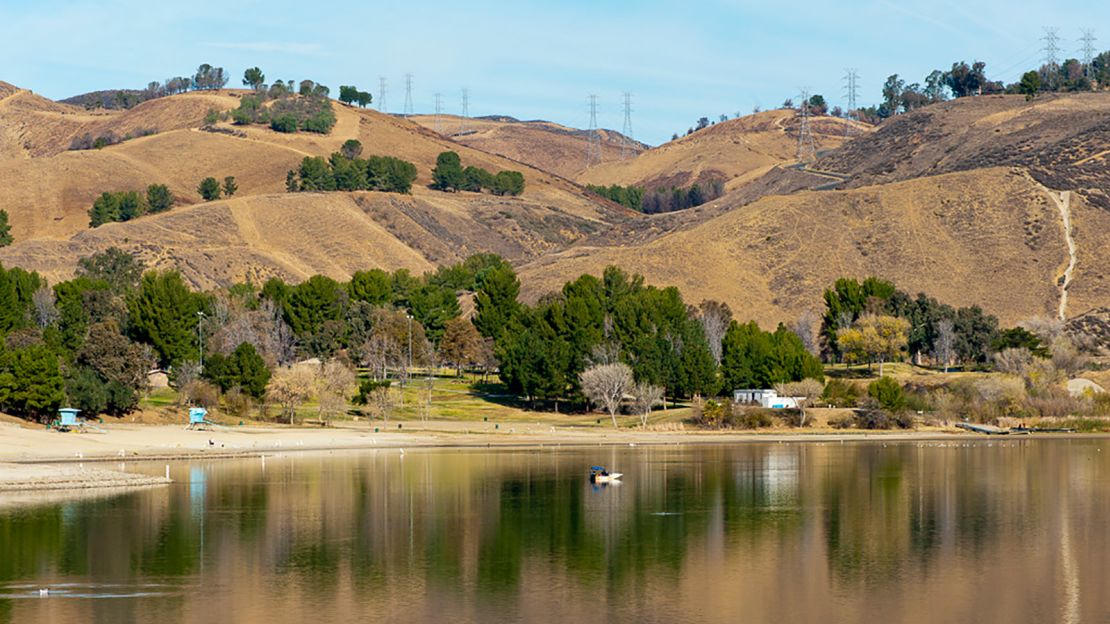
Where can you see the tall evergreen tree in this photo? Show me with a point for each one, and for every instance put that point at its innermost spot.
(163, 313)
(448, 172)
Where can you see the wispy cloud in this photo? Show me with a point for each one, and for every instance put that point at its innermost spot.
(281, 47)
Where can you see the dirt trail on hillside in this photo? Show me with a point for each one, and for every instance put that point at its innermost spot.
(1062, 200)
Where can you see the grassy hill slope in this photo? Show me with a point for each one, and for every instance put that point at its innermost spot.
(295, 235)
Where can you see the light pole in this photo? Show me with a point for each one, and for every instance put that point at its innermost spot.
(200, 337)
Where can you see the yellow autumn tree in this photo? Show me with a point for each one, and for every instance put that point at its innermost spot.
(874, 338)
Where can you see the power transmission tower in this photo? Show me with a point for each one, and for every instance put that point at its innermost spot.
(1088, 39)
(626, 130)
(408, 95)
(1051, 47)
(381, 95)
(851, 92)
(593, 144)
(807, 147)
(439, 109)
(465, 110)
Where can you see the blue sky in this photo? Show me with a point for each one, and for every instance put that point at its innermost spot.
(538, 60)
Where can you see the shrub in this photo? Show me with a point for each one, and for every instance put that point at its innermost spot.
(872, 416)
(792, 418)
(844, 421)
(840, 393)
(238, 403)
(749, 418)
(284, 123)
(1099, 404)
(712, 414)
(508, 183)
(888, 394)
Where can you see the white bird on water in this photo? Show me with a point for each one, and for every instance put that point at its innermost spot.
(44, 591)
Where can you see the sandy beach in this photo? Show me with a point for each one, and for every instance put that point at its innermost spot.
(16, 479)
(33, 458)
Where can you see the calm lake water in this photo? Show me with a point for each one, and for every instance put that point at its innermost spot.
(1011, 531)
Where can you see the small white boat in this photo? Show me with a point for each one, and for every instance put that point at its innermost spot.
(598, 474)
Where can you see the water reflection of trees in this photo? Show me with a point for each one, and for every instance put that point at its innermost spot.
(470, 523)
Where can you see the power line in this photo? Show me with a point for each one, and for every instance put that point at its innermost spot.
(593, 144)
(851, 92)
(1051, 47)
(408, 95)
(465, 110)
(381, 95)
(1088, 39)
(626, 130)
(807, 147)
(439, 109)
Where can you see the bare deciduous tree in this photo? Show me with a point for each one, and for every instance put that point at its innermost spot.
(605, 353)
(647, 396)
(379, 353)
(334, 384)
(1012, 361)
(289, 387)
(43, 303)
(1066, 357)
(806, 329)
(232, 322)
(1047, 329)
(605, 385)
(804, 391)
(715, 318)
(945, 344)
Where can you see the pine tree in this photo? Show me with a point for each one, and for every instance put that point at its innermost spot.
(209, 189)
(448, 172)
(5, 229)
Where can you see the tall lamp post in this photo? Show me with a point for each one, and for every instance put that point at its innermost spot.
(410, 347)
(200, 337)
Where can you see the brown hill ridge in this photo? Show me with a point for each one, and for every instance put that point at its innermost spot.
(1062, 140)
(48, 190)
(295, 235)
(990, 237)
(544, 145)
(734, 152)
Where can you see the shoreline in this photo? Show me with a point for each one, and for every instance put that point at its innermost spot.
(37, 465)
(135, 442)
(16, 478)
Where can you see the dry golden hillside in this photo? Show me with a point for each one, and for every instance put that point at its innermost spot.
(48, 190)
(734, 152)
(542, 144)
(33, 126)
(295, 235)
(992, 237)
(1063, 140)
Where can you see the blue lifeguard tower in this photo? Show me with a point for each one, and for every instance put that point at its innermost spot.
(198, 418)
(67, 420)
